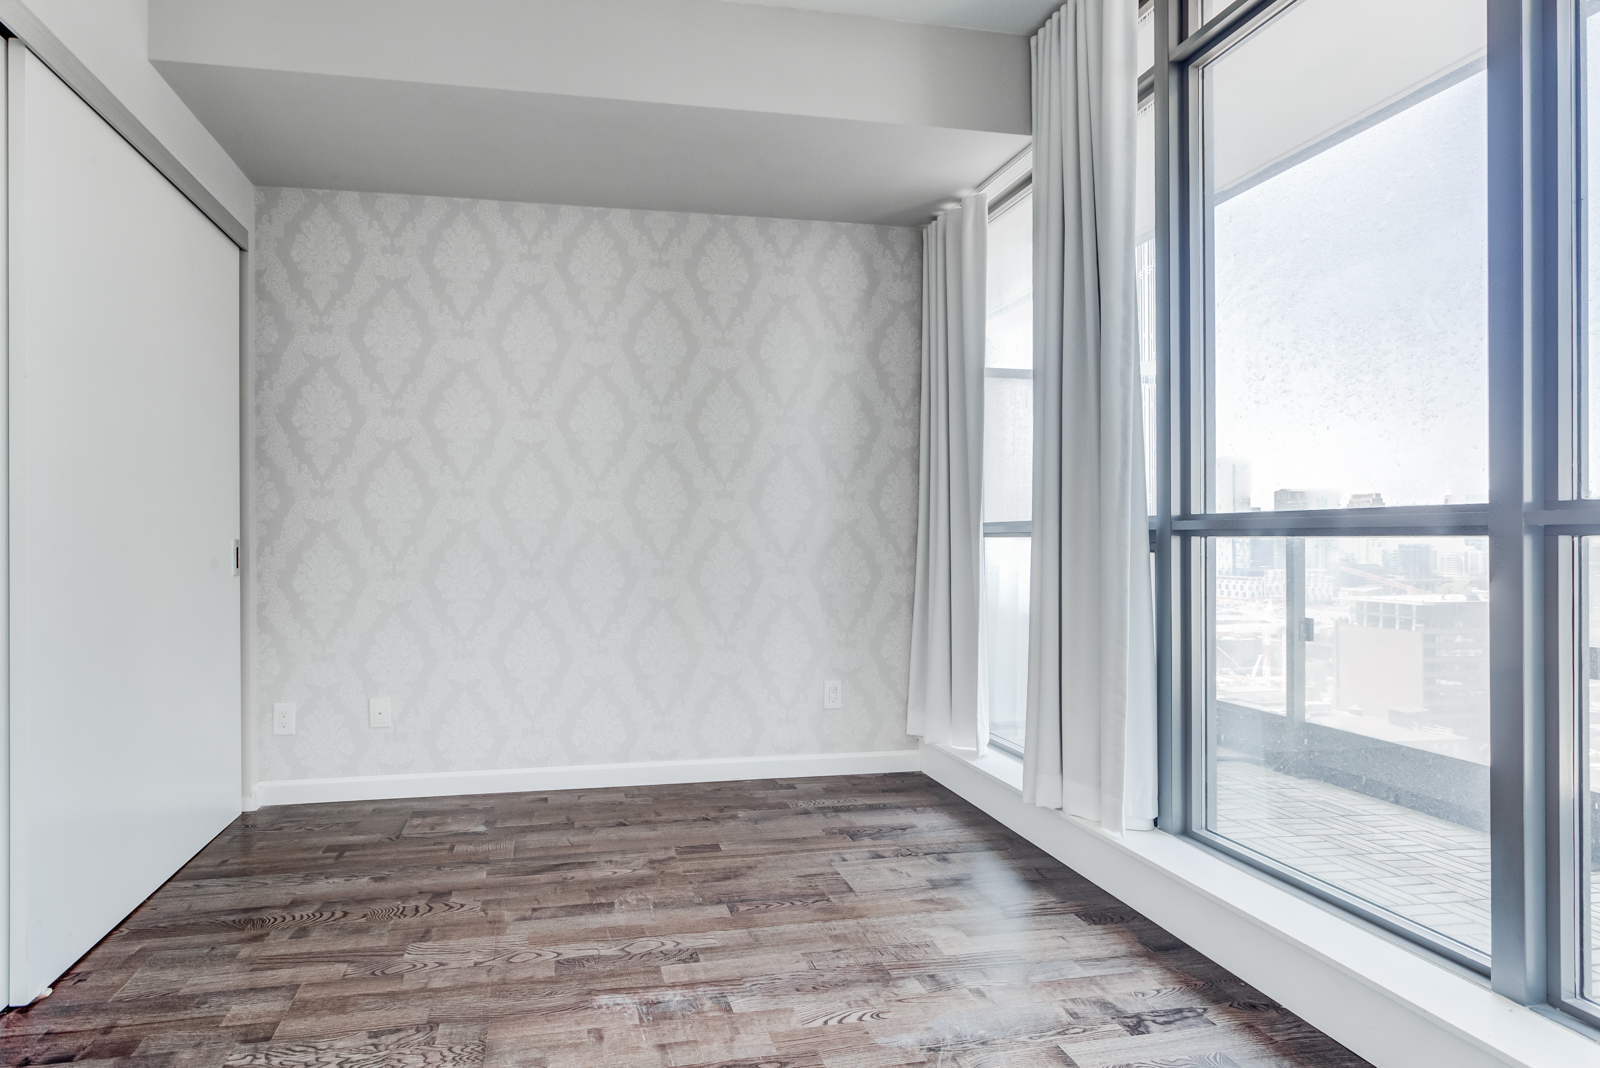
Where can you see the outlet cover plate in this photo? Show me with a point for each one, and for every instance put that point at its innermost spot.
(283, 718)
(833, 694)
(379, 713)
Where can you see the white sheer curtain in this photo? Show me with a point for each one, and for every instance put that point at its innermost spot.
(1091, 730)
(947, 704)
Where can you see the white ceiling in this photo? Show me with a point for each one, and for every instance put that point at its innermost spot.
(676, 105)
(321, 132)
(999, 16)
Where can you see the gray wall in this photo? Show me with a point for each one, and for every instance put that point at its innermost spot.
(576, 485)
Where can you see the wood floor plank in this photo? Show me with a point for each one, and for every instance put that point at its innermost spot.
(852, 922)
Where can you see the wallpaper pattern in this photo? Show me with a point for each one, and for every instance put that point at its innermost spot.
(575, 485)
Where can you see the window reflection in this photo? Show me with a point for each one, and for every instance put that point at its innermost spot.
(1346, 193)
(1006, 563)
(1349, 727)
(1589, 769)
(1008, 467)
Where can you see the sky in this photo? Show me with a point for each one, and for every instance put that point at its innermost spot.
(1350, 313)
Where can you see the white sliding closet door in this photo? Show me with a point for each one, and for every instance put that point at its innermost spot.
(124, 506)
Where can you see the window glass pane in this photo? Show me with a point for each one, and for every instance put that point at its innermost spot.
(1007, 449)
(1010, 286)
(1589, 735)
(1589, 40)
(1144, 221)
(1146, 36)
(1248, 647)
(1006, 563)
(1008, 379)
(1345, 179)
(1348, 723)
(1008, 465)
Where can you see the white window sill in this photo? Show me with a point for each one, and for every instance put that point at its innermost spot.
(1387, 1001)
(1003, 768)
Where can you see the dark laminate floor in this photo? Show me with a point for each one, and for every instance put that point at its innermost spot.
(857, 922)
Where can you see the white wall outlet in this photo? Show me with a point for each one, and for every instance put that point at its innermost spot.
(283, 718)
(379, 713)
(833, 694)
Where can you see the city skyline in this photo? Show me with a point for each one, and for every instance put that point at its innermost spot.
(1396, 647)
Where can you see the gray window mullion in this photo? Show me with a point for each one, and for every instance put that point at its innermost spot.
(1517, 330)
(1173, 752)
(1442, 520)
(1570, 514)
(1223, 25)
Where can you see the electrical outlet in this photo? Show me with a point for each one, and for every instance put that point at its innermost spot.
(283, 718)
(833, 694)
(379, 713)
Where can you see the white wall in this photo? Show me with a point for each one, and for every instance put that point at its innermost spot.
(124, 504)
(576, 486)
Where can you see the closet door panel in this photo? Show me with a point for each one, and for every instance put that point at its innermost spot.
(124, 507)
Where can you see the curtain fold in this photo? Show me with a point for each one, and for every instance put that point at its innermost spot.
(946, 704)
(1091, 727)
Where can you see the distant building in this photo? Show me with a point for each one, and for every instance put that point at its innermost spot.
(1271, 583)
(1420, 659)
(1251, 584)
(1322, 585)
(1469, 563)
(1298, 499)
(1365, 500)
(1233, 485)
(1414, 561)
(1268, 552)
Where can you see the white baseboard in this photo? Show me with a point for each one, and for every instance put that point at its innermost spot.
(579, 777)
(1383, 1000)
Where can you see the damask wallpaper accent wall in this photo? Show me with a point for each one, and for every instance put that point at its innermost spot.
(578, 486)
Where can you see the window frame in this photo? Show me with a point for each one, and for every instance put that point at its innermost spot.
(1008, 198)
(1199, 521)
(1559, 314)
(1533, 519)
(1017, 187)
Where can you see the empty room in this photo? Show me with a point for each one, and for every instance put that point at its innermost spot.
(799, 534)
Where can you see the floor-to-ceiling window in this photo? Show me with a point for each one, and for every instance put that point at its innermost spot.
(1331, 410)
(1008, 464)
(1374, 335)
(1343, 354)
